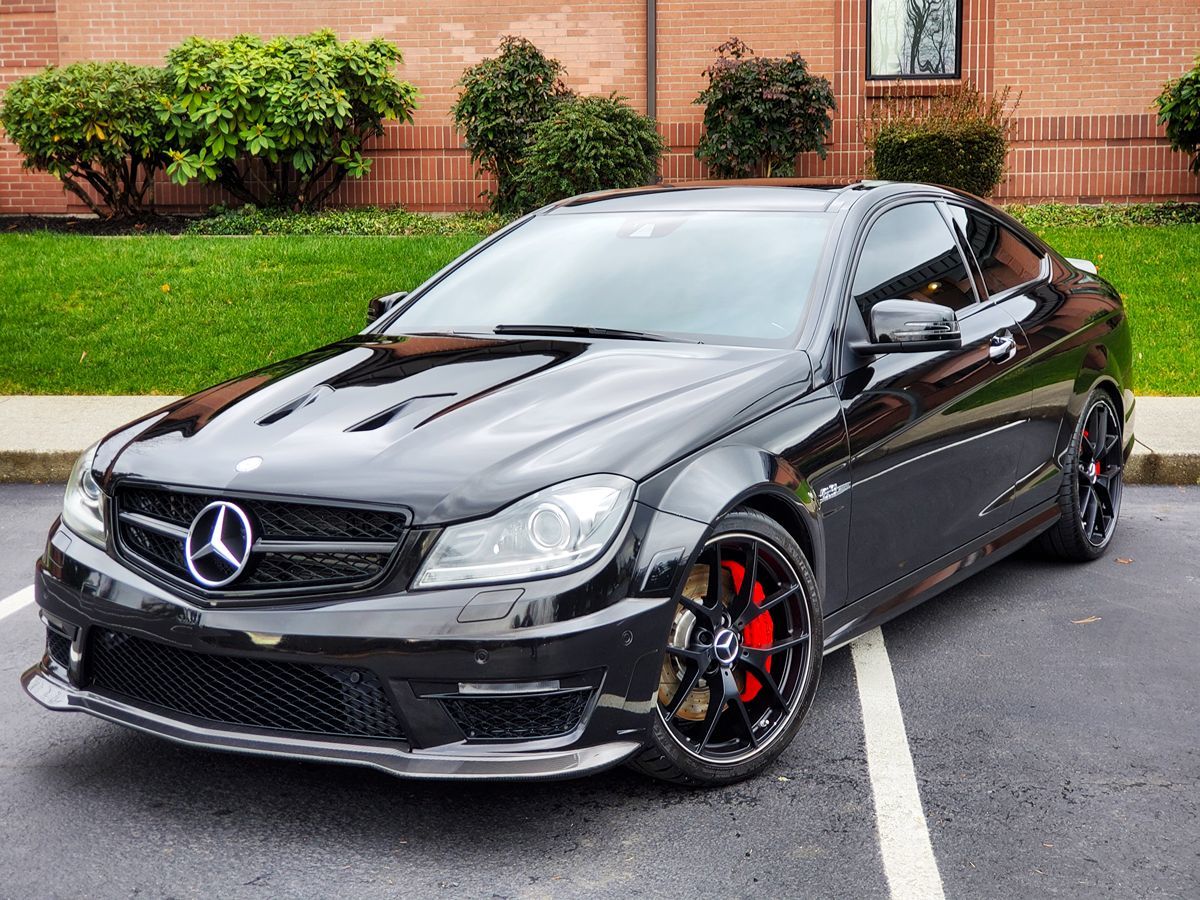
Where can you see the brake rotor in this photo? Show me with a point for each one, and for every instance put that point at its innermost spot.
(759, 633)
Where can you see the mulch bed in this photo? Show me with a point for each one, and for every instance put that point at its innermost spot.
(164, 224)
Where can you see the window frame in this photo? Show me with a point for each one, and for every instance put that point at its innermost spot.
(986, 297)
(956, 75)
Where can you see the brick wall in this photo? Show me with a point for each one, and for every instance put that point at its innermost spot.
(1087, 72)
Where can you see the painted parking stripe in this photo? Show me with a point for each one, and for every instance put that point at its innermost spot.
(908, 860)
(19, 600)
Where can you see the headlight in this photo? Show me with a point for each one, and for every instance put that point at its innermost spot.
(83, 505)
(554, 530)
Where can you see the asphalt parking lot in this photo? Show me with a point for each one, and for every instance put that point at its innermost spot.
(1052, 714)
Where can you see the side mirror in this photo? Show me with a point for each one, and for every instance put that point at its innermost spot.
(911, 326)
(381, 306)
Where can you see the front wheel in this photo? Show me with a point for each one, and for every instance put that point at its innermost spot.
(742, 659)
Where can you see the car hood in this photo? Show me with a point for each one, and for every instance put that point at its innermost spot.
(453, 427)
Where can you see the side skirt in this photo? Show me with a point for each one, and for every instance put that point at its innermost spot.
(888, 602)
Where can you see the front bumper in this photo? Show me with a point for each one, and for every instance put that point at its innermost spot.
(449, 762)
(601, 629)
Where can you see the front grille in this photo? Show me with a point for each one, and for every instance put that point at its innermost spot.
(299, 546)
(59, 647)
(519, 717)
(282, 696)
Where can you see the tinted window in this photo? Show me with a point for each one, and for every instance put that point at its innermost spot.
(1006, 260)
(910, 254)
(709, 274)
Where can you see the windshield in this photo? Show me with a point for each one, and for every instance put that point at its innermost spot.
(706, 275)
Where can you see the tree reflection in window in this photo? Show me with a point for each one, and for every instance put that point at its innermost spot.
(914, 38)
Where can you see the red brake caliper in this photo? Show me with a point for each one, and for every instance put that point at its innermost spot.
(759, 633)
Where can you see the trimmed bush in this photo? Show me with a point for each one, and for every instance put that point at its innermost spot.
(761, 113)
(359, 221)
(588, 144)
(280, 122)
(502, 101)
(93, 126)
(958, 139)
(1179, 109)
(1056, 215)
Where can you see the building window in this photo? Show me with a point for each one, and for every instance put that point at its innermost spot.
(914, 38)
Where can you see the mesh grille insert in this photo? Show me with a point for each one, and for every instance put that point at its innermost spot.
(518, 718)
(281, 696)
(59, 647)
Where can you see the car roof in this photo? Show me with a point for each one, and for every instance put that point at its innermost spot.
(762, 194)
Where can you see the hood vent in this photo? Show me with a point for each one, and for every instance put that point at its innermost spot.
(379, 420)
(293, 405)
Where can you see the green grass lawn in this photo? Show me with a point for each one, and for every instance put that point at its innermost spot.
(164, 315)
(1157, 271)
(157, 314)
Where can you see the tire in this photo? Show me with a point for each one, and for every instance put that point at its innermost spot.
(768, 685)
(1091, 487)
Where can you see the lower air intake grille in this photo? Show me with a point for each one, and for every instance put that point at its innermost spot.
(282, 696)
(518, 718)
(59, 647)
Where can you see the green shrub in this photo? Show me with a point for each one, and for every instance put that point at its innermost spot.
(94, 126)
(502, 100)
(958, 139)
(1179, 109)
(280, 122)
(588, 144)
(360, 221)
(761, 113)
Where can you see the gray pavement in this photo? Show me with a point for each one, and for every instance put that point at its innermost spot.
(1053, 714)
(40, 437)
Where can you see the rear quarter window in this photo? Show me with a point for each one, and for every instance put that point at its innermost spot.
(1005, 259)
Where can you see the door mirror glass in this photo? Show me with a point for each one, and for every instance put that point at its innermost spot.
(912, 326)
(381, 306)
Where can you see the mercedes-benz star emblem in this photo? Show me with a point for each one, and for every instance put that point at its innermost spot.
(218, 544)
(725, 646)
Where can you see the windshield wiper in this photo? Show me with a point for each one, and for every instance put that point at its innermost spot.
(580, 331)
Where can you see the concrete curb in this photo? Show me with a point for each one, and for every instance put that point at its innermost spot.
(1163, 468)
(34, 467)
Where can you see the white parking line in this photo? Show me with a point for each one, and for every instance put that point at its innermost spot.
(19, 600)
(908, 860)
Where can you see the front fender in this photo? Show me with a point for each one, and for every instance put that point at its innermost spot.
(792, 465)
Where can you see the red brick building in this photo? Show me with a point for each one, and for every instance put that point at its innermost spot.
(1087, 72)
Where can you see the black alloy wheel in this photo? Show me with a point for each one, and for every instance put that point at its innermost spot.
(742, 657)
(1093, 477)
(1100, 466)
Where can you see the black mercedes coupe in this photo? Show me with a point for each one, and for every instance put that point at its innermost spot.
(605, 489)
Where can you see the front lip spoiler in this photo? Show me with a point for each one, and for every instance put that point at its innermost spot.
(54, 694)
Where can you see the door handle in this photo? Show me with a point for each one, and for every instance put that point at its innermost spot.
(1002, 347)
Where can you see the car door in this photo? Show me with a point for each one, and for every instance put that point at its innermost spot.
(1014, 274)
(934, 443)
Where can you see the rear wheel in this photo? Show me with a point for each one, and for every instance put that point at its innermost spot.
(742, 660)
(1090, 494)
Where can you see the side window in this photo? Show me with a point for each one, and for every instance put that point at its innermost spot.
(910, 254)
(1005, 260)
